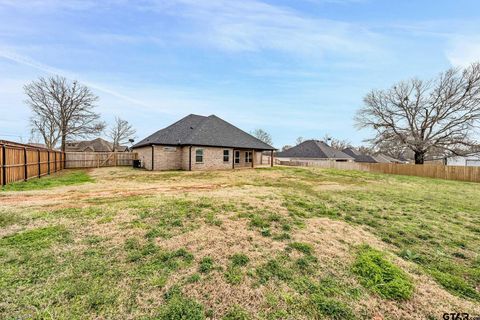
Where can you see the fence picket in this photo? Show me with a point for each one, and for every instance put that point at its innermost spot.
(462, 173)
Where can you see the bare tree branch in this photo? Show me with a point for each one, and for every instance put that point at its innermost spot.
(121, 132)
(434, 116)
(62, 110)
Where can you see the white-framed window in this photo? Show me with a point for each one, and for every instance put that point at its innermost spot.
(248, 156)
(199, 156)
(237, 156)
(226, 155)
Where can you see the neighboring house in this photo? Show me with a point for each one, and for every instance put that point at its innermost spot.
(95, 145)
(313, 150)
(470, 160)
(201, 143)
(383, 158)
(378, 158)
(358, 156)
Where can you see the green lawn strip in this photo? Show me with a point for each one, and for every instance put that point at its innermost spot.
(381, 276)
(62, 178)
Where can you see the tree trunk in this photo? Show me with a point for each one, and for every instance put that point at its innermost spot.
(64, 142)
(419, 157)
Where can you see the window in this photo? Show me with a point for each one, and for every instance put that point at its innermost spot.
(237, 156)
(226, 155)
(248, 156)
(199, 155)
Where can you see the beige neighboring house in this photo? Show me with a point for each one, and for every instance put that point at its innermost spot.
(95, 145)
(201, 143)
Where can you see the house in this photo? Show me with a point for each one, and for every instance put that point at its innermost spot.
(201, 143)
(378, 158)
(95, 145)
(468, 160)
(313, 150)
(358, 156)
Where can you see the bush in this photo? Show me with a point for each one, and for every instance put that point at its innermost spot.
(381, 276)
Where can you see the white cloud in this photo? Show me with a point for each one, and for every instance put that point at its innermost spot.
(253, 25)
(463, 51)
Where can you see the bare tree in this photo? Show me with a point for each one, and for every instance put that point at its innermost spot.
(262, 135)
(299, 140)
(286, 147)
(121, 132)
(338, 144)
(62, 109)
(441, 114)
(46, 127)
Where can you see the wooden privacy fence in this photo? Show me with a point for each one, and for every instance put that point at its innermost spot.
(461, 173)
(19, 162)
(99, 159)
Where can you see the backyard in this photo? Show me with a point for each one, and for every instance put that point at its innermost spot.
(273, 243)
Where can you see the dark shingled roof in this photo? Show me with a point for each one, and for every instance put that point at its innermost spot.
(204, 131)
(358, 156)
(314, 149)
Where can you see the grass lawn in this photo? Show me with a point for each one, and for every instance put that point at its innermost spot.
(61, 178)
(276, 243)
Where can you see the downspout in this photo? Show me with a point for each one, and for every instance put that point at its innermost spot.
(190, 158)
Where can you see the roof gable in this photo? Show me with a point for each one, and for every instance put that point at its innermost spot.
(204, 131)
(313, 149)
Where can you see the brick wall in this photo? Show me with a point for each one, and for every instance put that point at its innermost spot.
(145, 156)
(167, 158)
(177, 158)
(212, 159)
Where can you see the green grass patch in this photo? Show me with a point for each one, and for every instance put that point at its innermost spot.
(36, 239)
(178, 307)
(236, 313)
(381, 276)
(206, 265)
(62, 178)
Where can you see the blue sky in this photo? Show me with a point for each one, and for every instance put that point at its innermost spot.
(293, 68)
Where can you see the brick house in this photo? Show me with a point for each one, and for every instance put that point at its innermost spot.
(202, 143)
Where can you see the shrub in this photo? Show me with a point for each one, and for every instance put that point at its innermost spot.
(381, 276)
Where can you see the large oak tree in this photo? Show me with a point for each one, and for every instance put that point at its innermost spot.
(62, 110)
(439, 114)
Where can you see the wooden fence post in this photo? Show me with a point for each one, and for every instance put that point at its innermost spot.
(25, 173)
(39, 164)
(48, 162)
(4, 166)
